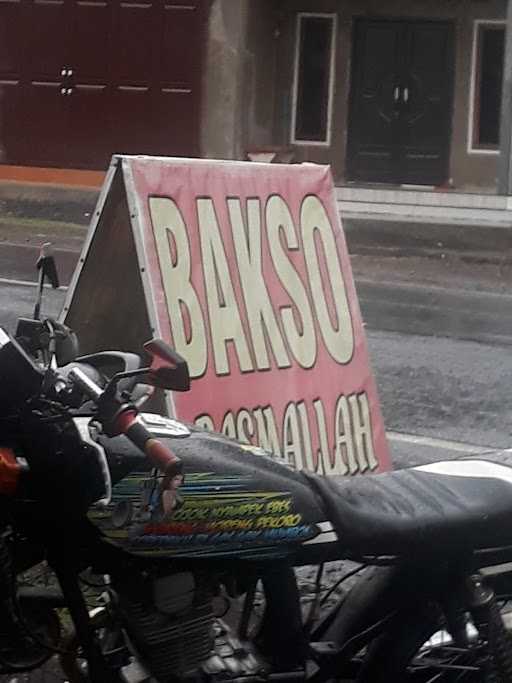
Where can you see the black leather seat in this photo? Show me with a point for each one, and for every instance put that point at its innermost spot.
(458, 504)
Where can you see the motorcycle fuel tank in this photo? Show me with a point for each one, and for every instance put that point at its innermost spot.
(235, 499)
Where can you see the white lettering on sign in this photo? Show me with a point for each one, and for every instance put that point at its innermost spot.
(298, 321)
(185, 315)
(261, 316)
(225, 321)
(338, 336)
(349, 452)
(258, 331)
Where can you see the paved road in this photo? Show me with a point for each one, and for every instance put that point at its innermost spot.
(444, 390)
(416, 309)
(449, 298)
(17, 262)
(18, 300)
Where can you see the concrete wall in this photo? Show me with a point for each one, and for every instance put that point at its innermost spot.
(239, 81)
(248, 77)
(223, 111)
(268, 75)
(473, 170)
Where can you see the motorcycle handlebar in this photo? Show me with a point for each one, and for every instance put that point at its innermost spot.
(85, 384)
(127, 421)
(157, 452)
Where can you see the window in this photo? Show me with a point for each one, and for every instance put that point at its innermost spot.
(488, 52)
(313, 80)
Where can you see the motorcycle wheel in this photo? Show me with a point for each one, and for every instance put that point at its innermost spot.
(64, 668)
(417, 649)
(50, 672)
(61, 668)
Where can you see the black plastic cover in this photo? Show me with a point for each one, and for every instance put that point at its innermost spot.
(20, 377)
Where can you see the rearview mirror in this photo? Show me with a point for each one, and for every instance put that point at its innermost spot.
(46, 266)
(168, 370)
(47, 271)
(34, 338)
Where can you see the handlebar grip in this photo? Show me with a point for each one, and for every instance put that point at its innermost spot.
(158, 453)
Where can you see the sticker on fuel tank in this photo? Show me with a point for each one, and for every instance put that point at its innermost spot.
(214, 510)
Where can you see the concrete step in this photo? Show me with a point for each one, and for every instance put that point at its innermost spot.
(424, 206)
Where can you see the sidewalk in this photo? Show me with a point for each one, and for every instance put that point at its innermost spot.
(59, 210)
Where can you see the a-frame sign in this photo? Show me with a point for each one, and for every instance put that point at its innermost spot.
(244, 269)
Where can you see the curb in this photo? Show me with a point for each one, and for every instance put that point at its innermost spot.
(473, 243)
(47, 202)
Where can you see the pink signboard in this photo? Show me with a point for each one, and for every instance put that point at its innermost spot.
(247, 275)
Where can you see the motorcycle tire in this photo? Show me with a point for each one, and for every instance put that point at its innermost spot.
(50, 672)
(414, 649)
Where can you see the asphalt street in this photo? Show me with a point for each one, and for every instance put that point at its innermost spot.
(416, 309)
(17, 262)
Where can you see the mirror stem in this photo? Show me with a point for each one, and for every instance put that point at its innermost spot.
(40, 285)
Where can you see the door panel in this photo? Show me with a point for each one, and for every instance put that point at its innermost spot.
(14, 136)
(399, 125)
(426, 111)
(136, 26)
(371, 142)
(179, 79)
(12, 39)
(12, 46)
(34, 113)
(136, 133)
(43, 123)
(47, 39)
(173, 115)
(89, 124)
(90, 48)
(178, 66)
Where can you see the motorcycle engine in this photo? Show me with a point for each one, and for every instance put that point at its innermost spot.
(172, 626)
(176, 635)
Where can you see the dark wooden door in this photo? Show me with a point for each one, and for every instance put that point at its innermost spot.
(401, 102)
(156, 74)
(91, 32)
(83, 79)
(32, 100)
(11, 62)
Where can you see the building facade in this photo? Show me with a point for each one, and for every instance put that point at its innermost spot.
(394, 92)
(388, 92)
(81, 79)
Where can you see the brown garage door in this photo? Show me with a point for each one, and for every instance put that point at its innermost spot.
(82, 79)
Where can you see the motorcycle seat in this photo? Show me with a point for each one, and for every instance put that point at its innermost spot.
(453, 505)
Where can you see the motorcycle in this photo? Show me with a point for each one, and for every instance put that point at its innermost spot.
(192, 540)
